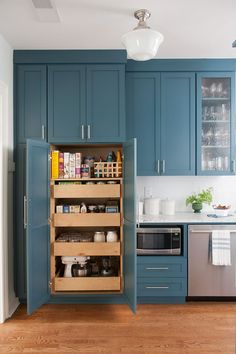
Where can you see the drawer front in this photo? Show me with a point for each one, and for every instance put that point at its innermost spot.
(162, 287)
(158, 267)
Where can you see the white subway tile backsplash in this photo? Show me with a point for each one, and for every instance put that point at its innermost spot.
(179, 187)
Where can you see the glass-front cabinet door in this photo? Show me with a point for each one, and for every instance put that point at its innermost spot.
(215, 124)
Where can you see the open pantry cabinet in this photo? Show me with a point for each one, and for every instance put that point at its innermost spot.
(47, 257)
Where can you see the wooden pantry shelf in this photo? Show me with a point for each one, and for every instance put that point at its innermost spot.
(92, 219)
(87, 179)
(87, 284)
(86, 249)
(86, 191)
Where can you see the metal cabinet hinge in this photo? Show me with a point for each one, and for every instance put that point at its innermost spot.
(49, 157)
(49, 221)
(50, 285)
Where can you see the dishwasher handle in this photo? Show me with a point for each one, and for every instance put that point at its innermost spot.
(199, 231)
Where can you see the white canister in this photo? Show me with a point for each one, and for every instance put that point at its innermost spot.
(151, 206)
(167, 207)
(140, 208)
(99, 236)
(112, 236)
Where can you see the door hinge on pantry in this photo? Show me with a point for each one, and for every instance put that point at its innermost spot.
(50, 285)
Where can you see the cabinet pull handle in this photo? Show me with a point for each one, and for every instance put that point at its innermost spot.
(233, 165)
(157, 268)
(157, 287)
(89, 135)
(163, 167)
(25, 212)
(43, 132)
(158, 167)
(82, 132)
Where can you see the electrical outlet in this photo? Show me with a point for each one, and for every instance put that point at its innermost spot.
(147, 192)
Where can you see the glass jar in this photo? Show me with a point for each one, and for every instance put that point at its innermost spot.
(99, 236)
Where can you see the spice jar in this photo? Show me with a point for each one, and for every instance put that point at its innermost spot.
(99, 236)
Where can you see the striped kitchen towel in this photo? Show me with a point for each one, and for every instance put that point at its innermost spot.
(220, 248)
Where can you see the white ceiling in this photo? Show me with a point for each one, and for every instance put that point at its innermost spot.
(192, 28)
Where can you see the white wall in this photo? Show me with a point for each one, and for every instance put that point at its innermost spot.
(178, 188)
(6, 197)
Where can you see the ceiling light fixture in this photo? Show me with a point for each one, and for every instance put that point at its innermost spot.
(142, 43)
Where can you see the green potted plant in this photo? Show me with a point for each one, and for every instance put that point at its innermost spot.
(205, 196)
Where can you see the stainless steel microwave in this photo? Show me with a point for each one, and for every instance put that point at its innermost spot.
(159, 241)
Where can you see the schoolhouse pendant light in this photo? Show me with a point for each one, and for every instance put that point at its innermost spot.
(142, 43)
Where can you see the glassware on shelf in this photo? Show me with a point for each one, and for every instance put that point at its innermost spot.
(213, 89)
(219, 89)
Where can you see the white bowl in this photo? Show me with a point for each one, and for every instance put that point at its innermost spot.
(221, 212)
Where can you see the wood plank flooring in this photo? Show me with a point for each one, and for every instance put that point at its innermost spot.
(192, 328)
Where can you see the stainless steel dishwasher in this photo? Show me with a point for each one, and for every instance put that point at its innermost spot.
(205, 279)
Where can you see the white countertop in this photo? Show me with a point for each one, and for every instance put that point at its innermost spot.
(186, 218)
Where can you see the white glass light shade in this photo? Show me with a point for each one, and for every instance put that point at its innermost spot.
(142, 44)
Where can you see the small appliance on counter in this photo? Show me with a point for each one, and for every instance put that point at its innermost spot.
(151, 206)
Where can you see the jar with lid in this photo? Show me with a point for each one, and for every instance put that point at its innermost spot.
(112, 236)
(99, 236)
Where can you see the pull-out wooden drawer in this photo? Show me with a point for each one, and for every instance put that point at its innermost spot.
(86, 191)
(86, 249)
(162, 287)
(93, 219)
(88, 284)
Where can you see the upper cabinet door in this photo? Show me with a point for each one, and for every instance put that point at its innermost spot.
(216, 123)
(130, 268)
(177, 124)
(37, 233)
(105, 103)
(66, 103)
(143, 119)
(31, 98)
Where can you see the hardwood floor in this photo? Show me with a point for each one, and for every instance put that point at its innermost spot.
(196, 328)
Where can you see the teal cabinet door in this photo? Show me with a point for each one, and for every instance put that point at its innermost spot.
(216, 123)
(143, 119)
(36, 220)
(19, 229)
(130, 259)
(31, 102)
(105, 103)
(66, 103)
(177, 124)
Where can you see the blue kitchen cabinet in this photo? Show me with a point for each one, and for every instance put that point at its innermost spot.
(161, 279)
(86, 103)
(161, 114)
(37, 214)
(66, 103)
(31, 102)
(105, 104)
(19, 227)
(177, 124)
(216, 123)
(143, 119)
(40, 285)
